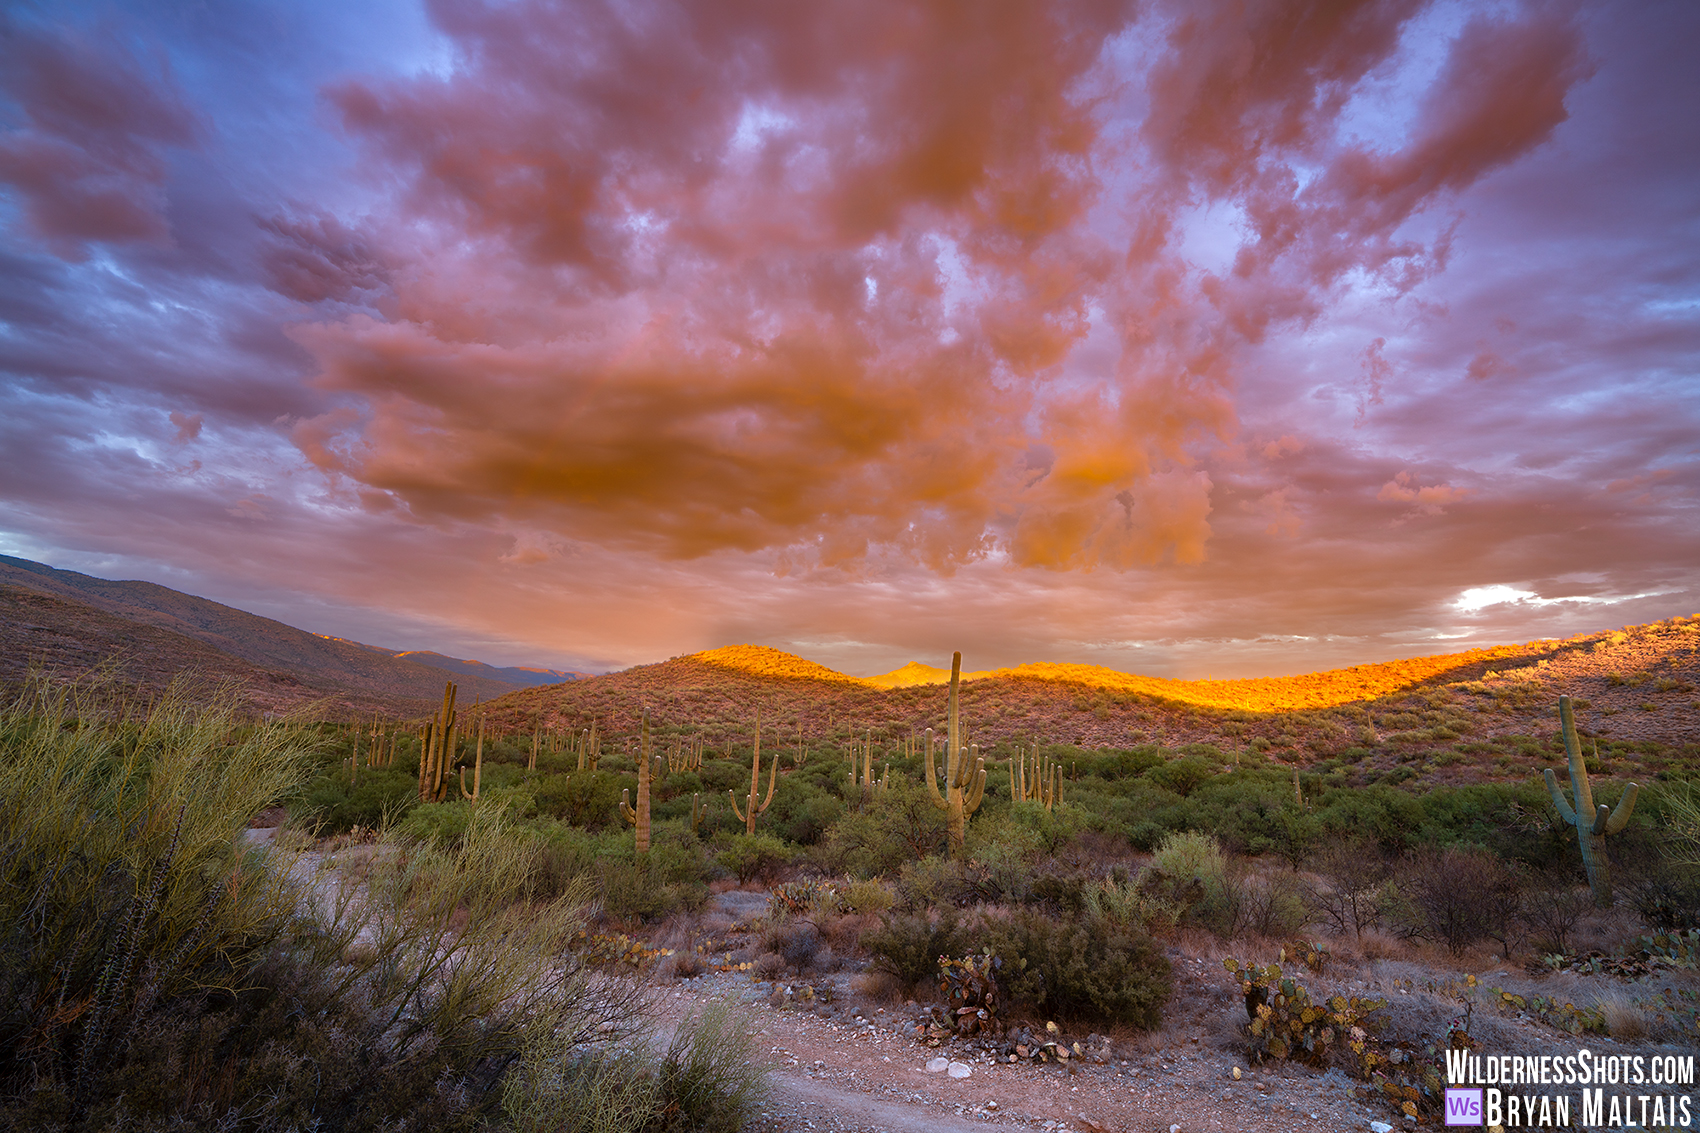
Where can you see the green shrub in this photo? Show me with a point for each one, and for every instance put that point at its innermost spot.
(752, 856)
(909, 946)
(709, 1080)
(711, 1076)
(330, 806)
(934, 882)
(590, 799)
(866, 897)
(214, 995)
(1088, 970)
(1190, 874)
(121, 889)
(899, 825)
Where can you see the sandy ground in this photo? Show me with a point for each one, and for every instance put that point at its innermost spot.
(869, 1074)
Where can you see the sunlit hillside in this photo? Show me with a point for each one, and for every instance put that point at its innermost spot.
(1259, 694)
(761, 661)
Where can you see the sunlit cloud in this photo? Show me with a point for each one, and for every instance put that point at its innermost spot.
(1147, 335)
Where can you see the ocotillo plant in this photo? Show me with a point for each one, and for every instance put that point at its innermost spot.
(964, 772)
(477, 766)
(749, 819)
(638, 816)
(1592, 823)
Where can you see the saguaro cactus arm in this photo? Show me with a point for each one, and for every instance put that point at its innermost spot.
(932, 771)
(1565, 814)
(1619, 817)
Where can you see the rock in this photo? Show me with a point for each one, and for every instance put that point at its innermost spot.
(993, 1106)
(1236, 1073)
(938, 1065)
(1380, 1127)
(960, 1069)
(1174, 1129)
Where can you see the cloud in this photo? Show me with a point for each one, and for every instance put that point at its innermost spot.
(1143, 334)
(711, 291)
(1430, 500)
(89, 164)
(188, 426)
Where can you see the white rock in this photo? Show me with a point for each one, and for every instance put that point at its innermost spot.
(960, 1069)
(1380, 1127)
(1174, 1129)
(938, 1065)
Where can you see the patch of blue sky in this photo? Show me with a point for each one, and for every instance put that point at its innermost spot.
(1211, 235)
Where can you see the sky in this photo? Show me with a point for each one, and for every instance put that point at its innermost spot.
(1187, 337)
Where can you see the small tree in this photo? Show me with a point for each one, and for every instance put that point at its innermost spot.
(1353, 872)
(1466, 895)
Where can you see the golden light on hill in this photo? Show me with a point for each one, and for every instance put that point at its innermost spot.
(1261, 694)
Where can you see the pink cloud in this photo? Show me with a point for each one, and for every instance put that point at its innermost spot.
(89, 164)
(1430, 499)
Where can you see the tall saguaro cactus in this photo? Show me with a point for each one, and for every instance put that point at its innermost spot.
(755, 785)
(477, 766)
(437, 749)
(638, 816)
(1592, 823)
(964, 772)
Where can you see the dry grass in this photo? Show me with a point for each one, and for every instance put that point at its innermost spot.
(878, 987)
(1625, 1020)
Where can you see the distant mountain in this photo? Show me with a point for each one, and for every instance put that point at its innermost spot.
(159, 630)
(520, 676)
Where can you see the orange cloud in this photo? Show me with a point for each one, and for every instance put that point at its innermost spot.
(1430, 500)
(796, 282)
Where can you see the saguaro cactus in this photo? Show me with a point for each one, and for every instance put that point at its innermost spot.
(477, 766)
(437, 748)
(589, 744)
(964, 772)
(864, 778)
(1038, 782)
(639, 816)
(685, 755)
(1592, 822)
(749, 819)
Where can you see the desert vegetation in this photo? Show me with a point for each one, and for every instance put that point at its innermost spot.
(159, 972)
(473, 958)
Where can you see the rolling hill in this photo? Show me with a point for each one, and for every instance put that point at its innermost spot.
(1437, 716)
(71, 622)
(1488, 712)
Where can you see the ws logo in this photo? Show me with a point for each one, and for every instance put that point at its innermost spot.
(1463, 1107)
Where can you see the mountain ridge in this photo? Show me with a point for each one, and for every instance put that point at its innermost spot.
(342, 671)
